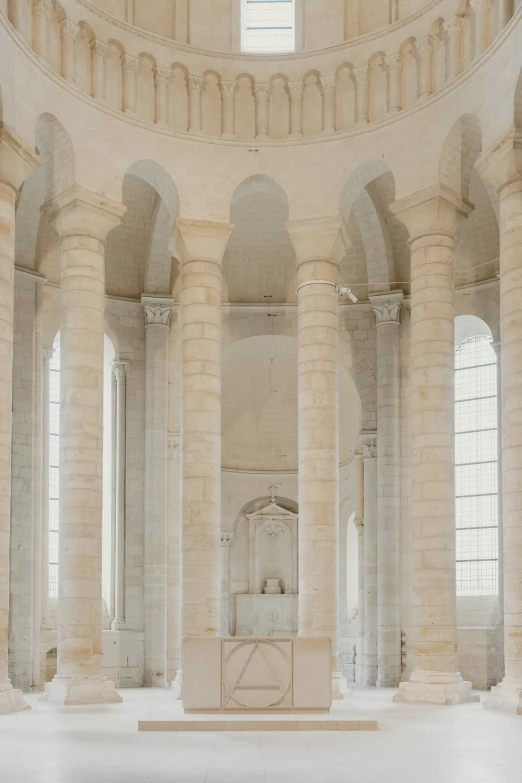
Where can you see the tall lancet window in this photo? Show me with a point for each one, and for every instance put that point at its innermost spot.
(476, 454)
(54, 465)
(268, 25)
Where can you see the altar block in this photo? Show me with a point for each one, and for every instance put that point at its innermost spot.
(256, 674)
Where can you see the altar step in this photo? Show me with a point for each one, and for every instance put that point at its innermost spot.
(342, 717)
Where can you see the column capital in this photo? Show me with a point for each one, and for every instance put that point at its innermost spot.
(195, 82)
(359, 524)
(362, 74)
(368, 444)
(501, 164)
(226, 538)
(328, 83)
(157, 310)
(17, 162)
(98, 48)
(129, 63)
(387, 307)
(393, 62)
(119, 368)
(228, 88)
(203, 240)
(77, 211)
(313, 238)
(496, 345)
(262, 89)
(47, 352)
(296, 89)
(453, 25)
(433, 210)
(162, 75)
(68, 28)
(425, 45)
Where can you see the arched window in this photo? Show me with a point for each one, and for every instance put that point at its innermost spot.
(54, 470)
(476, 458)
(268, 25)
(54, 465)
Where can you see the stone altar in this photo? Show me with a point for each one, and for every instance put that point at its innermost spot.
(233, 674)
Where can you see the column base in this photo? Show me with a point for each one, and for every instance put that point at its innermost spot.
(262, 136)
(175, 689)
(118, 625)
(506, 697)
(340, 687)
(228, 135)
(296, 135)
(70, 691)
(11, 699)
(435, 688)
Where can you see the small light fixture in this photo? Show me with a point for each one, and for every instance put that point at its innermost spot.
(345, 291)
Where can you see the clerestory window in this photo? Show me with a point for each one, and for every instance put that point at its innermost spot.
(268, 26)
(476, 466)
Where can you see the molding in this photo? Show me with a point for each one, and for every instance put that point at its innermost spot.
(450, 85)
(35, 276)
(245, 56)
(157, 310)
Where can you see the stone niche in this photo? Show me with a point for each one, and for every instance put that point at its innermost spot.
(270, 606)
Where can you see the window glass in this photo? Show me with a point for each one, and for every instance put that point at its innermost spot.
(268, 25)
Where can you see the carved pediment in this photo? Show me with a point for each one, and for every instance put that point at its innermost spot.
(272, 510)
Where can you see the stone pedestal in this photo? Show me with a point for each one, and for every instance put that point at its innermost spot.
(82, 220)
(318, 425)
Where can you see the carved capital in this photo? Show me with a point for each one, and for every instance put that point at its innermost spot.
(195, 82)
(362, 74)
(359, 524)
(393, 62)
(161, 74)
(425, 45)
(262, 90)
(68, 28)
(119, 368)
(226, 538)
(296, 89)
(47, 353)
(157, 310)
(98, 48)
(130, 63)
(368, 443)
(42, 6)
(228, 89)
(387, 307)
(328, 83)
(453, 26)
(495, 344)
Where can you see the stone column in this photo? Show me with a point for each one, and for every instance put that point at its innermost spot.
(161, 79)
(157, 312)
(296, 109)
(431, 218)
(98, 50)
(393, 64)
(82, 220)
(195, 85)
(226, 538)
(425, 50)
(16, 14)
(262, 92)
(318, 428)
(120, 448)
(40, 10)
(506, 12)
(68, 31)
(359, 524)
(482, 26)
(328, 84)
(204, 244)
(228, 91)
(362, 109)
(16, 164)
(502, 166)
(453, 28)
(387, 309)
(368, 443)
(129, 69)
(44, 571)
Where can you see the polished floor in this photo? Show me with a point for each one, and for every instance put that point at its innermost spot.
(415, 744)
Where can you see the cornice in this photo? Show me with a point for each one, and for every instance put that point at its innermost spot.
(245, 57)
(257, 143)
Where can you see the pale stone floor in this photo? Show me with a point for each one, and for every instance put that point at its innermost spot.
(415, 744)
